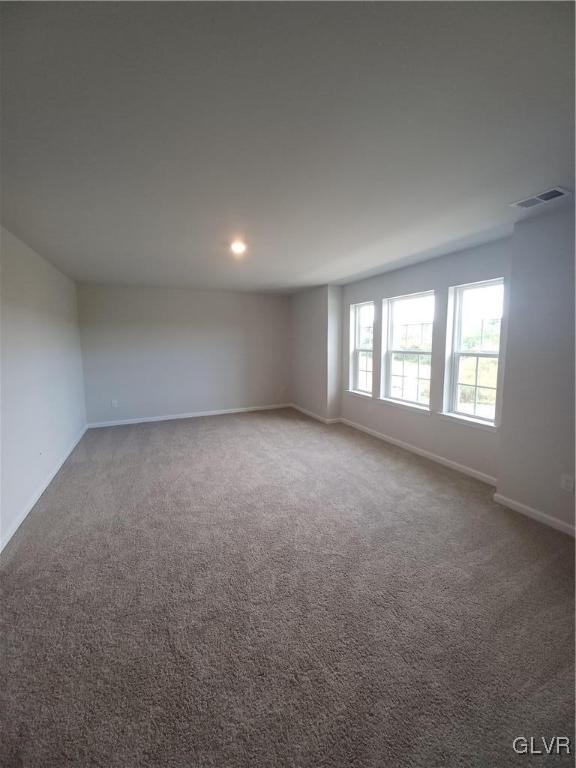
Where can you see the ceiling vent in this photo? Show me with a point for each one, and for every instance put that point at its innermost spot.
(544, 197)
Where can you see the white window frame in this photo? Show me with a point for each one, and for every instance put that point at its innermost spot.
(356, 349)
(455, 316)
(388, 351)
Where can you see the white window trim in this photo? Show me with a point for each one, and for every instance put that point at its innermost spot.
(357, 393)
(408, 405)
(453, 331)
(355, 350)
(387, 352)
(468, 421)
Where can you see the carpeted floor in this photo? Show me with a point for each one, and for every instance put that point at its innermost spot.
(263, 591)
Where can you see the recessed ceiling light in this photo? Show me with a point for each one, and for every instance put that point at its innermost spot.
(238, 247)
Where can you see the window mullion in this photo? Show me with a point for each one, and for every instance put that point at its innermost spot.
(476, 386)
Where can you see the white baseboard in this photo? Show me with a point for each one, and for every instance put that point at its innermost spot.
(313, 415)
(535, 514)
(488, 479)
(193, 415)
(7, 535)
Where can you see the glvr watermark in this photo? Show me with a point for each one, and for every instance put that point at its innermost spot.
(540, 745)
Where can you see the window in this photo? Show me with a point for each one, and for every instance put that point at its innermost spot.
(361, 344)
(408, 347)
(475, 349)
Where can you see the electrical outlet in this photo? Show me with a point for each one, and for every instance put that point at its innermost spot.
(567, 483)
(114, 403)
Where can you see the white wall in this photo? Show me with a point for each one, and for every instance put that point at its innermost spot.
(309, 350)
(470, 445)
(162, 352)
(316, 350)
(334, 343)
(42, 394)
(537, 435)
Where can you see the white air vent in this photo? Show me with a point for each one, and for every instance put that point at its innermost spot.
(544, 197)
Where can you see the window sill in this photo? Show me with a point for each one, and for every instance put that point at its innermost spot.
(469, 421)
(412, 407)
(365, 395)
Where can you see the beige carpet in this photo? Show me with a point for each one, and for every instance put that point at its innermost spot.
(262, 591)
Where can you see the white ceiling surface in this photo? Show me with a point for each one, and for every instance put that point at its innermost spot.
(341, 139)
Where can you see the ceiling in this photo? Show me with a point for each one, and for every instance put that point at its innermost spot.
(339, 138)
